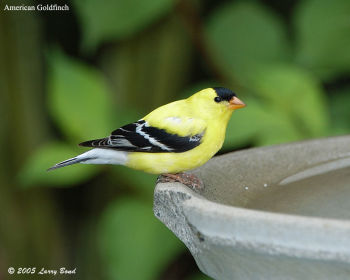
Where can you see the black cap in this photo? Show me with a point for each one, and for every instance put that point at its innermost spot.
(224, 93)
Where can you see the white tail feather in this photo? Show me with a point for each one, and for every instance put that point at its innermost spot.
(95, 156)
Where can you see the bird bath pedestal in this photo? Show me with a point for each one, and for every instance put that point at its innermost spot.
(280, 212)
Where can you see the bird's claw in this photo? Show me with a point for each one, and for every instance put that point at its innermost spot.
(189, 180)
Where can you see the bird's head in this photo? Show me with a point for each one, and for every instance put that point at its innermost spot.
(217, 100)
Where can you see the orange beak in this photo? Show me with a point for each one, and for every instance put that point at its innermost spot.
(236, 103)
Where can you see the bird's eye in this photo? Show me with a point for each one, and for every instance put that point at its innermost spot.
(217, 99)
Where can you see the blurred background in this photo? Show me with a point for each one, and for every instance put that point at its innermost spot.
(67, 77)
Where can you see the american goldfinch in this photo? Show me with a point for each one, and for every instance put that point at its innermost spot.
(173, 138)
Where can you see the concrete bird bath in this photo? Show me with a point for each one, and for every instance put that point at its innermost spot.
(280, 212)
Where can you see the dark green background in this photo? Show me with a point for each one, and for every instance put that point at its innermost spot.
(67, 77)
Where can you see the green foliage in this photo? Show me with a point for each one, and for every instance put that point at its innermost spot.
(280, 77)
(340, 113)
(34, 171)
(244, 35)
(81, 104)
(146, 71)
(290, 106)
(133, 243)
(285, 102)
(120, 18)
(244, 125)
(323, 40)
(260, 124)
(295, 93)
(140, 181)
(252, 125)
(79, 100)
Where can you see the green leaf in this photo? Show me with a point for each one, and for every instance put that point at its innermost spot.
(297, 94)
(136, 179)
(260, 124)
(133, 243)
(290, 106)
(323, 36)
(79, 100)
(340, 113)
(245, 34)
(245, 124)
(276, 127)
(145, 71)
(116, 19)
(34, 171)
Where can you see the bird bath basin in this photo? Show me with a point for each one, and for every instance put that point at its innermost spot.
(280, 212)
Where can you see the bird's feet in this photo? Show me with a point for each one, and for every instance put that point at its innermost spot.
(189, 180)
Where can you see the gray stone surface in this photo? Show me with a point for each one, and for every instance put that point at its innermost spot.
(280, 212)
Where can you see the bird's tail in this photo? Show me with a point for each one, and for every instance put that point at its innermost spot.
(67, 162)
(95, 156)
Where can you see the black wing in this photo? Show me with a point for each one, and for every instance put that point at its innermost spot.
(141, 137)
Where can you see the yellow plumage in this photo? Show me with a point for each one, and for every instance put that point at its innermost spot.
(186, 117)
(176, 137)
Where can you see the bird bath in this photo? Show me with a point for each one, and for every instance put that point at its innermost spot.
(280, 212)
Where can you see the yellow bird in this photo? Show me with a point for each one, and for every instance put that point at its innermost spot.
(173, 138)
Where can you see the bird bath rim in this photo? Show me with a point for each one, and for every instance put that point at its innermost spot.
(194, 217)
